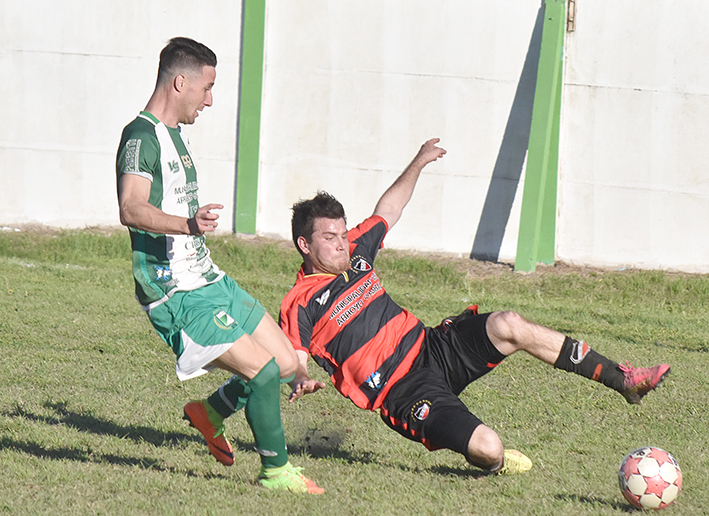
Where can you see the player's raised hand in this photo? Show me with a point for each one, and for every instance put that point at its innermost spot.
(429, 151)
(204, 221)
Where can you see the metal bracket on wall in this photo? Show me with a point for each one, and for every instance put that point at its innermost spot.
(571, 16)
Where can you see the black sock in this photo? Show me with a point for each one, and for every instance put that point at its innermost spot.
(577, 357)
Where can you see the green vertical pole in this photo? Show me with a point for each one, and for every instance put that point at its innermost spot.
(537, 227)
(249, 123)
(546, 252)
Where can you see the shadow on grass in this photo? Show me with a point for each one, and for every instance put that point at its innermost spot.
(316, 443)
(592, 500)
(328, 444)
(459, 472)
(89, 456)
(99, 426)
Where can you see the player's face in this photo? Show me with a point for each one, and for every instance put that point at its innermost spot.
(197, 94)
(329, 250)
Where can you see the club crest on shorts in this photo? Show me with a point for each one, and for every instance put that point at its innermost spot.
(223, 319)
(360, 264)
(579, 352)
(421, 409)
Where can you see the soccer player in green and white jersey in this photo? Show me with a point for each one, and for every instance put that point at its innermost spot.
(200, 312)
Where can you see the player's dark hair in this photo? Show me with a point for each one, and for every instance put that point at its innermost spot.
(184, 55)
(323, 205)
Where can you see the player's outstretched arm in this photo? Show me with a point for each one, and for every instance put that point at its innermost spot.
(302, 384)
(397, 196)
(138, 213)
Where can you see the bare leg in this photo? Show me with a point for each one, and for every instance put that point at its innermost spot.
(250, 353)
(511, 332)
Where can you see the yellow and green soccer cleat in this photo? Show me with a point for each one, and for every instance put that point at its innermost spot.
(515, 462)
(288, 478)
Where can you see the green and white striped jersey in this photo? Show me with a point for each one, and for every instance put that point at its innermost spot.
(164, 264)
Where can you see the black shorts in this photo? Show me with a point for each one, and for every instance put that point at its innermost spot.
(424, 406)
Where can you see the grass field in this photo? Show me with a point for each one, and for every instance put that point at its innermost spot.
(90, 407)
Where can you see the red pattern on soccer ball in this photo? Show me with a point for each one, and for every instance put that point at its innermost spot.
(650, 478)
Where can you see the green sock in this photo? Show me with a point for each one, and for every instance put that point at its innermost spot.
(230, 397)
(263, 413)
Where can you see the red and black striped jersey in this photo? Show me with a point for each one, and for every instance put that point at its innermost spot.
(350, 325)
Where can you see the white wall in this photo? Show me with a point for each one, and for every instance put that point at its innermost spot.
(367, 82)
(634, 188)
(351, 89)
(74, 73)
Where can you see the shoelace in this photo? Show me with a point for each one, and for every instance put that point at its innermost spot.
(220, 430)
(295, 470)
(627, 368)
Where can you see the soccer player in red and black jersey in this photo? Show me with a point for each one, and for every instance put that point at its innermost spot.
(382, 357)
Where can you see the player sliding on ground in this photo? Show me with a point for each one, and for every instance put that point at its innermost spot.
(382, 357)
(200, 312)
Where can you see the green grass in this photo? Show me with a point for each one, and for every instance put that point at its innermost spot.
(90, 407)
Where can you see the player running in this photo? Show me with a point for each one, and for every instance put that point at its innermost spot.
(201, 313)
(382, 357)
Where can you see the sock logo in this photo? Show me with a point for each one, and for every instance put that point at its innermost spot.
(579, 352)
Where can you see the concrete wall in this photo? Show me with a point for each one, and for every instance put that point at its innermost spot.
(369, 82)
(351, 89)
(634, 187)
(74, 73)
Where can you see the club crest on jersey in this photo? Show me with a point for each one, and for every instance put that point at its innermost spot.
(223, 319)
(579, 352)
(374, 381)
(163, 274)
(421, 409)
(186, 161)
(323, 298)
(360, 264)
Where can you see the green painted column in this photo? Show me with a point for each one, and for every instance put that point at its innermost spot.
(249, 123)
(537, 227)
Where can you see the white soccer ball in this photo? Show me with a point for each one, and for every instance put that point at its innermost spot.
(650, 478)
